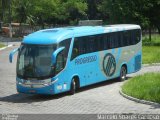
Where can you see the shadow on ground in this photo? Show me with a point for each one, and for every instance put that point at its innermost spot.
(30, 98)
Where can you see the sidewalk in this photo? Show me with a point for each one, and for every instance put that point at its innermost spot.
(8, 42)
(10, 45)
(8, 39)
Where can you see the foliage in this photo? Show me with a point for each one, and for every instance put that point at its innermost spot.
(2, 45)
(143, 12)
(155, 40)
(93, 12)
(4, 4)
(48, 11)
(150, 50)
(144, 87)
(76, 9)
(22, 11)
(151, 54)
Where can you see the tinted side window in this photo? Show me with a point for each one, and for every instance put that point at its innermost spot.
(120, 39)
(126, 38)
(79, 47)
(91, 44)
(100, 42)
(137, 35)
(115, 40)
(60, 62)
(132, 40)
(66, 44)
(104, 41)
(131, 37)
(84, 45)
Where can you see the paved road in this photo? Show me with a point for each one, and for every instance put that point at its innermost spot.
(99, 98)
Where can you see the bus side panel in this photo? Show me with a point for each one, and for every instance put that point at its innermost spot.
(87, 68)
(108, 63)
(91, 68)
(135, 62)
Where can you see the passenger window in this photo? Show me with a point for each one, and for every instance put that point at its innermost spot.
(66, 44)
(106, 44)
(126, 38)
(76, 50)
(120, 39)
(105, 41)
(60, 62)
(138, 36)
(91, 44)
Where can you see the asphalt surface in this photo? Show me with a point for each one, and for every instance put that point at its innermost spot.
(95, 99)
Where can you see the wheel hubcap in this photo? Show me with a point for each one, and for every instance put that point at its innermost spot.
(123, 74)
(74, 85)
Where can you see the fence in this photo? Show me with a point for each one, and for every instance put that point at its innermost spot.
(153, 31)
(23, 30)
(90, 22)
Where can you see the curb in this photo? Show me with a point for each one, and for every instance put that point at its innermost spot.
(152, 64)
(6, 47)
(138, 100)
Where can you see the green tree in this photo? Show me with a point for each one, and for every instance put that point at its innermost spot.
(143, 12)
(59, 11)
(1, 10)
(93, 10)
(75, 10)
(154, 14)
(22, 11)
(45, 11)
(4, 10)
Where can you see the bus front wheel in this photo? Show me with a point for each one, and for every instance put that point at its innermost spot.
(73, 87)
(123, 73)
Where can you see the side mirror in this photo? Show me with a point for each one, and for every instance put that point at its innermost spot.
(12, 54)
(55, 53)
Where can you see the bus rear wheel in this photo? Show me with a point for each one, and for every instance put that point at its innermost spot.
(73, 87)
(123, 73)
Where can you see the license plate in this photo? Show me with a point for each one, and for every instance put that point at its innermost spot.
(32, 91)
(35, 82)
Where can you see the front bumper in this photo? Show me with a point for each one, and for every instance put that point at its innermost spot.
(36, 87)
(30, 90)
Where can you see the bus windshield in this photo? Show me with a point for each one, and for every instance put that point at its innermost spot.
(34, 61)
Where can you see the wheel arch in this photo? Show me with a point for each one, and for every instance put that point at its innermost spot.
(125, 65)
(77, 80)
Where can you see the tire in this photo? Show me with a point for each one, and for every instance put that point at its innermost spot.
(73, 87)
(123, 74)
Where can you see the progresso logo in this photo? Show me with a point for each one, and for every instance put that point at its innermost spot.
(85, 60)
(109, 64)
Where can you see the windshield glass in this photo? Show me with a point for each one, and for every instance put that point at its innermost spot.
(34, 61)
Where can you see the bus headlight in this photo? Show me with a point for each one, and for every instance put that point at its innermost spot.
(20, 81)
(50, 83)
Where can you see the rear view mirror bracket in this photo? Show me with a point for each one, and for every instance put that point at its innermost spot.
(55, 53)
(12, 54)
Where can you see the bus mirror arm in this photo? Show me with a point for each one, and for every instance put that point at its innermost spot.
(55, 53)
(12, 54)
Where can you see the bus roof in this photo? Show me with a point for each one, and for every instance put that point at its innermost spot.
(55, 35)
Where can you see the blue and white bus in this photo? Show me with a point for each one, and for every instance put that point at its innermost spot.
(53, 61)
